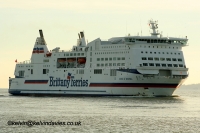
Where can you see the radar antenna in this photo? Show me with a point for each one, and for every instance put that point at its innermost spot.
(154, 25)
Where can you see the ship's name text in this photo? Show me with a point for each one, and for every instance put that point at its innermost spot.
(68, 82)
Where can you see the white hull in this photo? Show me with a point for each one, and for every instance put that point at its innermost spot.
(159, 86)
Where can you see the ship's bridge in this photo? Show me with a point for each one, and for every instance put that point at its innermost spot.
(154, 40)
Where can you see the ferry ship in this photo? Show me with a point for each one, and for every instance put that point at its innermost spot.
(121, 66)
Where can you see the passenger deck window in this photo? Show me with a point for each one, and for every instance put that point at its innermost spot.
(169, 65)
(157, 65)
(162, 59)
(151, 64)
(144, 58)
(150, 58)
(168, 59)
(173, 59)
(163, 65)
(145, 64)
(123, 64)
(156, 59)
(180, 65)
(175, 65)
(179, 59)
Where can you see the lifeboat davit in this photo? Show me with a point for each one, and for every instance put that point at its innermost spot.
(71, 59)
(61, 60)
(48, 54)
(81, 60)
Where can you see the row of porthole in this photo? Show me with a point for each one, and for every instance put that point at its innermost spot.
(163, 65)
(160, 46)
(122, 52)
(161, 59)
(111, 64)
(72, 54)
(160, 52)
(46, 65)
(24, 66)
(114, 46)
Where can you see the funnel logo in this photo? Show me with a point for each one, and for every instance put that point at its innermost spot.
(38, 50)
(69, 81)
(69, 76)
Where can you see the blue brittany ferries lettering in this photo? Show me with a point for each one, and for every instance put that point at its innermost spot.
(68, 82)
(151, 65)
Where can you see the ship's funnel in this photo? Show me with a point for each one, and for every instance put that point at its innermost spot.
(82, 34)
(41, 34)
(79, 36)
(83, 43)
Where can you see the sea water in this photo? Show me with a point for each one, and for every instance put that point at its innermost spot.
(180, 113)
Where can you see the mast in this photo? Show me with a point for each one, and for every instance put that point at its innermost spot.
(154, 25)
